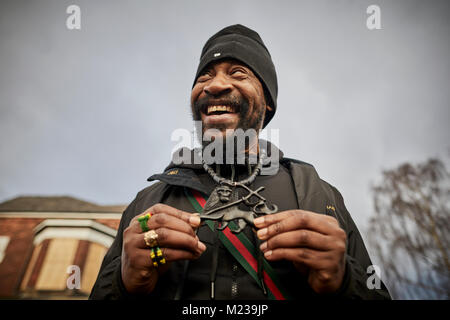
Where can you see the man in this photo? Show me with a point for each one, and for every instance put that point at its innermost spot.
(285, 235)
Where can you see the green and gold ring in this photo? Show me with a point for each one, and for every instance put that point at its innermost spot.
(157, 256)
(143, 221)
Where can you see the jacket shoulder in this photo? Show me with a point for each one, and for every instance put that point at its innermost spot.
(144, 199)
(316, 194)
(305, 170)
(289, 161)
(153, 190)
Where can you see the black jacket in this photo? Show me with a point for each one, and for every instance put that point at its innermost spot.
(192, 280)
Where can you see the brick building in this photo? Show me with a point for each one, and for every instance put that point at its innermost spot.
(52, 247)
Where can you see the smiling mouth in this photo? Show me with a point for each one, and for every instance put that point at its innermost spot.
(219, 109)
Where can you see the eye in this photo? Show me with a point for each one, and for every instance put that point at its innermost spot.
(204, 76)
(238, 71)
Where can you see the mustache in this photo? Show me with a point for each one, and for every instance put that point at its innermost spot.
(239, 103)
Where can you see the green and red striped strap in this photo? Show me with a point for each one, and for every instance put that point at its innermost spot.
(242, 249)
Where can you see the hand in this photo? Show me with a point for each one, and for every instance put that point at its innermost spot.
(176, 238)
(313, 242)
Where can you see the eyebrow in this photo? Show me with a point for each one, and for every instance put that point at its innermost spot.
(232, 63)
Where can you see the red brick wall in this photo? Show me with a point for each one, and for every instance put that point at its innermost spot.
(19, 250)
(20, 231)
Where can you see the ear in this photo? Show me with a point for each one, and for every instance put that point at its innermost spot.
(269, 108)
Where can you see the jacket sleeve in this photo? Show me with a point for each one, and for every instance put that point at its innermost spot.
(108, 285)
(357, 261)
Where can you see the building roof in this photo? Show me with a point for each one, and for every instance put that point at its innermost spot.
(56, 204)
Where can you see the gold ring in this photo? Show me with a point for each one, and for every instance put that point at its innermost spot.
(151, 238)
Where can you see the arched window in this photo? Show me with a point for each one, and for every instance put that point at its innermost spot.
(58, 245)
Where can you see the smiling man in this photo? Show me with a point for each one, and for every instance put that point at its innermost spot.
(228, 95)
(220, 229)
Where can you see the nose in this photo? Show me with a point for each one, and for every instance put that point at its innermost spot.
(218, 86)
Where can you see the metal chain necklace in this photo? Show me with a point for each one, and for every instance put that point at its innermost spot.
(223, 202)
(222, 180)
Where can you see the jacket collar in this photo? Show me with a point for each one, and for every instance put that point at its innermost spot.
(186, 174)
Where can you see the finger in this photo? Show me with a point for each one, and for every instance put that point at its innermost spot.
(299, 238)
(173, 239)
(311, 258)
(190, 218)
(161, 209)
(269, 219)
(177, 254)
(170, 222)
(142, 257)
(297, 219)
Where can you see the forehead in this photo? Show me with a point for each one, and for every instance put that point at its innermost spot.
(226, 62)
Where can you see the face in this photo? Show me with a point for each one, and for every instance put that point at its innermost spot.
(228, 95)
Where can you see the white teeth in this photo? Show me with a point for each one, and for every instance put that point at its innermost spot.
(220, 108)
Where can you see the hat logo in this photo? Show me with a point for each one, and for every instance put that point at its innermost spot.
(217, 54)
(172, 172)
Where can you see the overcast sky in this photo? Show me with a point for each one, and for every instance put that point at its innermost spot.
(89, 113)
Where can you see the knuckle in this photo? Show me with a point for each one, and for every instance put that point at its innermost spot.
(278, 227)
(302, 219)
(292, 213)
(268, 219)
(190, 231)
(333, 220)
(179, 214)
(342, 234)
(303, 237)
(144, 273)
(303, 254)
(160, 219)
(193, 244)
(271, 243)
(341, 247)
(126, 246)
(324, 276)
(128, 241)
(157, 207)
(126, 232)
(162, 234)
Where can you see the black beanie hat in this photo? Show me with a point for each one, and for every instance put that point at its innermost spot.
(243, 44)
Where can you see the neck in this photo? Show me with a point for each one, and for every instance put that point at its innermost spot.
(232, 152)
(231, 172)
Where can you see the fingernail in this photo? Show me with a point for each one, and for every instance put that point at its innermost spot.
(201, 246)
(268, 253)
(194, 220)
(258, 221)
(263, 246)
(261, 233)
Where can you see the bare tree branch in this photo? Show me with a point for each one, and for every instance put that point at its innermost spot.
(409, 232)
